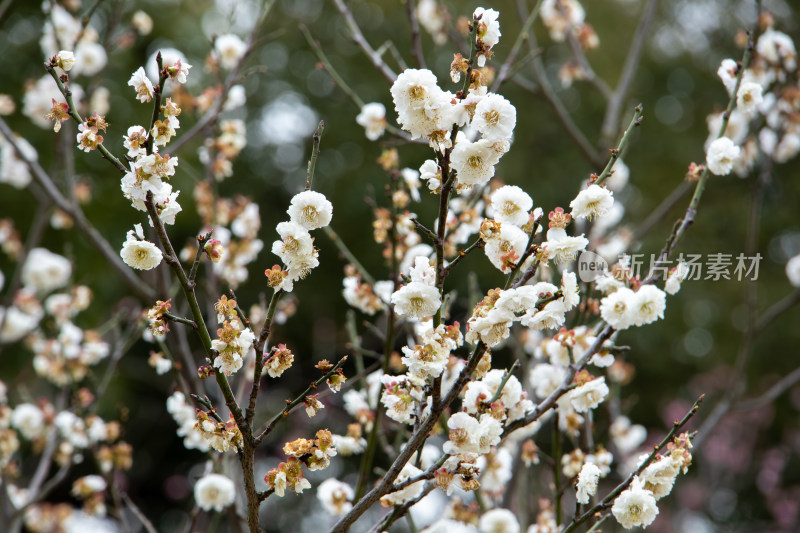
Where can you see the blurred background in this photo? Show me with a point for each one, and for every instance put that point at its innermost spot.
(746, 474)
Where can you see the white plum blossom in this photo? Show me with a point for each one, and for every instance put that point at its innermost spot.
(142, 85)
(793, 271)
(510, 205)
(468, 435)
(559, 22)
(29, 420)
(635, 506)
(589, 395)
(138, 253)
(17, 323)
(495, 117)
(594, 201)
(214, 491)
(134, 141)
(569, 286)
(488, 32)
(423, 109)
(498, 521)
(373, 119)
(429, 14)
(295, 243)
(45, 271)
(431, 173)
(416, 300)
(722, 154)
(335, 496)
(647, 305)
(617, 308)
(777, 48)
(311, 210)
(506, 247)
(749, 97)
(727, 73)
(561, 247)
(675, 278)
(587, 482)
(65, 60)
(474, 161)
(229, 49)
(90, 58)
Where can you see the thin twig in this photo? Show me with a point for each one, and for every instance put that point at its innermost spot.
(609, 499)
(416, 42)
(617, 98)
(148, 526)
(297, 401)
(549, 94)
(312, 162)
(623, 143)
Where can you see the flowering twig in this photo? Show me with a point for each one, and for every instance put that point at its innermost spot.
(157, 91)
(608, 501)
(565, 385)
(188, 290)
(312, 162)
(415, 441)
(73, 113)
(297, 401)
(388, 345)
(142, 290)
(212, 115)
(691, 210)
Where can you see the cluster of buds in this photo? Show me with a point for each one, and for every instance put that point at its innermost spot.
(222, 436)
(117, 456)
